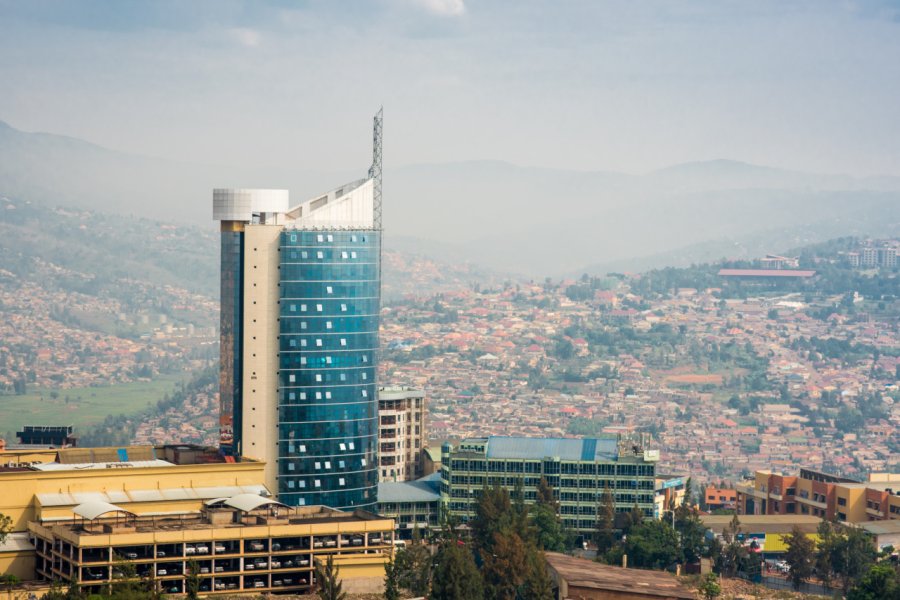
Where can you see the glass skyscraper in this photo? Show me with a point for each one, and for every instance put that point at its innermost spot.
(328, 426)
(301, 294)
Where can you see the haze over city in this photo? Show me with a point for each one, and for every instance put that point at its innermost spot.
(610, 86)
(456, 299)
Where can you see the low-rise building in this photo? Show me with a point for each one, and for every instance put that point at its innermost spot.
(670, 493)
(579, 470)
(719, 498)
(401, 435)
(413, 505)
(581, 579)
(764, 533)
(821, 495)
(243, 543)
(81, 513)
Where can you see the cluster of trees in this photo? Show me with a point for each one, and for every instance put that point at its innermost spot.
(842, 556)
(678, 537)
(503, 559)
(845, 350)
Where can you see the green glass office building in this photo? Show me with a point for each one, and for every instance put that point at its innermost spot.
(579, 470)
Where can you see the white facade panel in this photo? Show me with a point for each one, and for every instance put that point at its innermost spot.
(240, 204)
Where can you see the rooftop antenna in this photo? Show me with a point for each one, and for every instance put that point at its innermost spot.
(375, 169)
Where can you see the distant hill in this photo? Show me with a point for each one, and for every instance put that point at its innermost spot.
(109, 255)
(533, 221)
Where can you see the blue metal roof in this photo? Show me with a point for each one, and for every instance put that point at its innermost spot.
(426, 489)
(586, 449)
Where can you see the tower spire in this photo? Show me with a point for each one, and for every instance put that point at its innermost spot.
(375, 169)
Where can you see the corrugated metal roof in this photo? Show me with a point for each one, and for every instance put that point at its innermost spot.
(586, 449)
(426, 489)
(126, 496)
(881, 527)
(17, 542)
(110, 465)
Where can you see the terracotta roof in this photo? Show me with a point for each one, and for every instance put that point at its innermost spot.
(579, 572)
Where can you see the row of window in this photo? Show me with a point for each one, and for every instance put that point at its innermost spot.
(350, 389)
(496, 466)
(330, 324)
(320, 255)
(332, 431)
(336, 498)
(292, 448)
(290, 397)
(308, 237)
(303, 274)
(338, 307)
(340, 411)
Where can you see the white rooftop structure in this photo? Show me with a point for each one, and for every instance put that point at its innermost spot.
(134, 464)
(242, 204)
(95, 508)
(151, 495)
(350, 206)
(248, 502)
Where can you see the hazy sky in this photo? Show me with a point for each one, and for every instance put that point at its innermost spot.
(632, 85)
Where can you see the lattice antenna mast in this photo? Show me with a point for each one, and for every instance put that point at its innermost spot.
(375, 169)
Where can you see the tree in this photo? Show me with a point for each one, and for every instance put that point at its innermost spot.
(192, 580)
(328, 580)
(493, 513)
(800, 556)
(709, 586)
(852, 556)
(9, 581)
(545, 494)
(550, 534)
(413, 569)
(455, 575)
(391, 581)
(691, 533)
(652, 545)
(606, 522)
(635, 518)
(55, 592)
(538, 585)
(127, 585)
(505, 567)
(822, 567)
(882, 582)
(688, 499)
(6, 525)
(734, 554)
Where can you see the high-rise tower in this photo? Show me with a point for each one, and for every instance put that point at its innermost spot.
(301, 294)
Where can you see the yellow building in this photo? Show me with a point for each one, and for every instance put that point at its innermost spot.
(765, 533)
(163, 507)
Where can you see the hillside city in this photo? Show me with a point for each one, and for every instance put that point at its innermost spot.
(797, 376)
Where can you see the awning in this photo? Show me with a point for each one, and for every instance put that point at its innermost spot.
(248, 502)
(96, 508)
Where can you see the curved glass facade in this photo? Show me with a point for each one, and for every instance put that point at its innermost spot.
(328, 342)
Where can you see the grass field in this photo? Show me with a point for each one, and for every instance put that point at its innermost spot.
(85, 407)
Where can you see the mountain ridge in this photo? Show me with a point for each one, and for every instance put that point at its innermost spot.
(508, 218)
